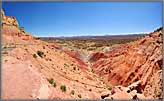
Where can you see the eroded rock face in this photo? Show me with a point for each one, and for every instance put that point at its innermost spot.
(12, 32)
(131, 62)
(124, 93)
(96, 56)
(154, 86)
(8, 20)
(139, 62)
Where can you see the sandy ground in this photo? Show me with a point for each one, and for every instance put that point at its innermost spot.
(21, 79)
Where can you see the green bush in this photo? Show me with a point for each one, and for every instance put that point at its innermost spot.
(109, 87)
(34, 55)
(66, 65)
(54, 84)
(51, 81)
(63, 88)
(40, 53)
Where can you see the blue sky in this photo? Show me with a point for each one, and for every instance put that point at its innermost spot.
(85, 18)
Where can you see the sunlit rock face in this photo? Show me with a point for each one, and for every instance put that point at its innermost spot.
(8, 20)
(134, 70)
(128, 63)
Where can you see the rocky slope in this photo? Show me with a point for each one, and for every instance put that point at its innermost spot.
(33, 69)
(128, 63)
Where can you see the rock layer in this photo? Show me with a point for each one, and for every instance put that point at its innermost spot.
(132, 69)
(128, 63)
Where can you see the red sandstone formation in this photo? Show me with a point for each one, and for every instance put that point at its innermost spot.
(131, 62)
(28, 62)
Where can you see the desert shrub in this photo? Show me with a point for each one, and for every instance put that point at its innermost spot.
(51, 81)
(109, 87)
(79, 95)
(40, 53)
(90, 90)
(66, 65)
(63, 88)
(54, 84)
(34, 55)
(74, 68)
(72, 92)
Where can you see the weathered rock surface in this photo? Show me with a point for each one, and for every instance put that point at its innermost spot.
(25, 72)
(128, 63)
(8, 20)
(134, 69)
(154, 86)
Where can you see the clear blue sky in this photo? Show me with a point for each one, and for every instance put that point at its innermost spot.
(85, 18)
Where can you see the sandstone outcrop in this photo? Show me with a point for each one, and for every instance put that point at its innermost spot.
(8, 20)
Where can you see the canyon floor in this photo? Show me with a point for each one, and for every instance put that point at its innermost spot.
(35, 68)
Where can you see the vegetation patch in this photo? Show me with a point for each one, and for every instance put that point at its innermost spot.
(63, 88)
(51, 81)
(40, 53)
(109, 87)
(34, 56)
(54, 84)
(66, 65)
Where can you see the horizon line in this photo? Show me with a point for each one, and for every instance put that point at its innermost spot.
(90, 35)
